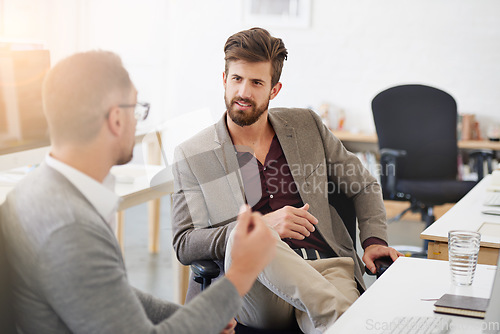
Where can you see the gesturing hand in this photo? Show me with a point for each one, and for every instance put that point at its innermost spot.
(290, 222)
(229, 329)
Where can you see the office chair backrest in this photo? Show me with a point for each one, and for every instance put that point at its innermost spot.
(421, 120)
(7, 323)
(345, 209)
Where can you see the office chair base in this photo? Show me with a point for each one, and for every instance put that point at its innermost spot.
(427, 216)
(400, 215)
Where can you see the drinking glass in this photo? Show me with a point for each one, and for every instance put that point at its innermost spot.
(463, 249)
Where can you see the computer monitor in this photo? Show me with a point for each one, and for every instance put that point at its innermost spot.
(22, 123)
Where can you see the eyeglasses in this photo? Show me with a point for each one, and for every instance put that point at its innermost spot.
(141, 110)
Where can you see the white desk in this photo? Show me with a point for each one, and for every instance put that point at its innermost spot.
(139, 191)
(466, 215)
(410, 287)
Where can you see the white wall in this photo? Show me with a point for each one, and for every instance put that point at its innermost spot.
(352, 50)
(137, 30)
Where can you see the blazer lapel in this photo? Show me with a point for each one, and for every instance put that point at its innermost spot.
(295, 156)
(288, 140)
(224, 150)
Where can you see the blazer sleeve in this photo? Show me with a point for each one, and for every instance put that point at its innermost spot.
(82, 278)
(347, 172)
(194, 238)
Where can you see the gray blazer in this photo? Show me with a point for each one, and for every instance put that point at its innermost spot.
(209, 189)
(69, 274)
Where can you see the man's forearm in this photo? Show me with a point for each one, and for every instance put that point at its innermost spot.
(156, 309)
(201, 243)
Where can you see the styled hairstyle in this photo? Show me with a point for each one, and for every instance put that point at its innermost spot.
(78, 92)
(256, 45)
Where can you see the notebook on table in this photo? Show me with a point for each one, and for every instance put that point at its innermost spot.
(489, 309)
(462, 305)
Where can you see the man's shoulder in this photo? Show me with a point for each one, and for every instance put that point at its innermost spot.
(43, 202)
(294, 116)
(203, 140)
(43, 186)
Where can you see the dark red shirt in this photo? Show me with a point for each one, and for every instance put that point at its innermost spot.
(270, 186)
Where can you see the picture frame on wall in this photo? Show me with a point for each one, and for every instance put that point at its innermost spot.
(277, 13)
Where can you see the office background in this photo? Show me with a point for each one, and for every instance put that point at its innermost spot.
(349, 51)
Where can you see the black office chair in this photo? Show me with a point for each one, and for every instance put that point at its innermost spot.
(205, 271)
(417, 134)
(7, 322)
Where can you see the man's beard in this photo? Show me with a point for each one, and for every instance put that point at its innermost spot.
(248, 117)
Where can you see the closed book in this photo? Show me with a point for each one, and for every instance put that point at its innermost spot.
(462, 305)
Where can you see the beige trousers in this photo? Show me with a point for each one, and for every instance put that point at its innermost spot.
(315, 292)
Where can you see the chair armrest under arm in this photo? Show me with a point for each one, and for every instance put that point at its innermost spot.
(381, 264)
(204, 271)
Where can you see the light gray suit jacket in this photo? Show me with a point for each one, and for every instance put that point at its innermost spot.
(209, 188)
(69, 275)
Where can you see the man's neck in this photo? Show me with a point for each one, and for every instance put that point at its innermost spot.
(251, 135)
(255, 138)
(84, 159)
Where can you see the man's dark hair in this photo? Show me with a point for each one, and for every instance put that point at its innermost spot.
(256, 45)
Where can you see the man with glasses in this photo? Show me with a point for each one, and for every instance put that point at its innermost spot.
(141, 110)
(67, 268)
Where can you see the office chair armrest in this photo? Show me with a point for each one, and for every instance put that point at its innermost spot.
(480, 157)
(381, 264)
(484, 152)
(388, 160)
(204, 271)
(393, 153)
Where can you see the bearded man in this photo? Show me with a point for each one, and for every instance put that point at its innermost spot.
(283, 163)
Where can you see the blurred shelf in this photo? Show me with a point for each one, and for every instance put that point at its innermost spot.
(372, 138)
(479, 144)
(356, 137)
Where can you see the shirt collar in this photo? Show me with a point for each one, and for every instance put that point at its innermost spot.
(100, 195)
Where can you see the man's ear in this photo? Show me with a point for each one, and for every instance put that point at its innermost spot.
(114, 121)
(275, 90)
(224, 79)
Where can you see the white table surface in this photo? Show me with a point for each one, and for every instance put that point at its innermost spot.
(410, 287)
(466, 215)
(133, 192)
(140, 190)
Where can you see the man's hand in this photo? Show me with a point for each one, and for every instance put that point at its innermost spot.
(229, 329)
(290, 222)
(253, 248)
(374, 252)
